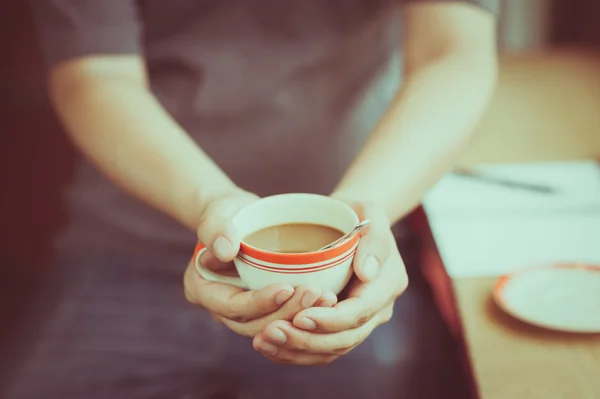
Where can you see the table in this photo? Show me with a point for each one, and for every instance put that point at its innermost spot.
(527, 121)
(510, 359)
(545, 109)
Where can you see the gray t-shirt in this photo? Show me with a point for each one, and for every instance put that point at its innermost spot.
(281, 94)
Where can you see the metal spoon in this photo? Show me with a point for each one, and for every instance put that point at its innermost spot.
(348, 235)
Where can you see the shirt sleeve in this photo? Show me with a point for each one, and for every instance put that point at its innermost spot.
(490, 5)
(70, 29)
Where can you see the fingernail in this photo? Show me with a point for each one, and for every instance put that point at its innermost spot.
(306, 324)
(283, 296)
(277, 336)
(222, 248)
(370, 267)
(267, 348)
(309, 299)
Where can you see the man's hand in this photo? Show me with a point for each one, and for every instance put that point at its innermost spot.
(320, 335)
(244, 312)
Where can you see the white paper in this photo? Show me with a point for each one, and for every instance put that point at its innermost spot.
(489, 246)
(486, 230)
(578, 185)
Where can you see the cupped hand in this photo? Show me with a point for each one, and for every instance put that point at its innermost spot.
(245, 312)
(320, 335)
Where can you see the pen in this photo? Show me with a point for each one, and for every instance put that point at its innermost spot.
(532, 187)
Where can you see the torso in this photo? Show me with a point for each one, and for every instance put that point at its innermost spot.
(281, 95)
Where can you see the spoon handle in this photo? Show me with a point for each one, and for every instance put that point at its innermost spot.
(357, 229)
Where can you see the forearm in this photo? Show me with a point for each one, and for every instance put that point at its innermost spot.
(421, 136)
(127, 134)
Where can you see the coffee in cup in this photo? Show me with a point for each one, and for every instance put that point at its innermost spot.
(282, 237)
(293, 237)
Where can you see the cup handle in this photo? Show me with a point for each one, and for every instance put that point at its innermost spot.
(212, 276)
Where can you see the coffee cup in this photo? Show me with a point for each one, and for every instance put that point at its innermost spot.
(258, 267)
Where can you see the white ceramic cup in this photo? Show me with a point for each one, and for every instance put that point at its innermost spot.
(329, 269)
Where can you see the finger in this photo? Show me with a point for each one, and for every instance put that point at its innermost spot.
(285, 335)
(210, 261)
(365, 300)
(285, 356)
(215, 229)
(232, 302)
(349, 314)
(375, 245)
(304, 297)
(219, 235)
(328, 299)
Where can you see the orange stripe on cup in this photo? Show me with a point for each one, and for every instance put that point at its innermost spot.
(307, 259)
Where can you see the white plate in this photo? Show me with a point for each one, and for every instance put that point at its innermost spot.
(562, 297)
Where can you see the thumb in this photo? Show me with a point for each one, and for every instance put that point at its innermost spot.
(373, 251)
(367, 268)
(375, 245)
(220, 237)
(226, 245)
(217, 232)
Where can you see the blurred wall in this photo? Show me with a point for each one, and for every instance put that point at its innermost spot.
(576, 22)
(537, 25)
(524, 25)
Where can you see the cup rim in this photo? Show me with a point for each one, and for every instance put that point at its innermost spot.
(302, 258)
